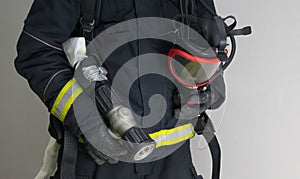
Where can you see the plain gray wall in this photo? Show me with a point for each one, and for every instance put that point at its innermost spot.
(23, 132)
(258, 128)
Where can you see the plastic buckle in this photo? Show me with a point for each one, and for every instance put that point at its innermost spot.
(204, 124)
(87, 26)
(222, 55)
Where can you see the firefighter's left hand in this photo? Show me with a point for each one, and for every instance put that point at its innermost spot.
(192, 102)
(192, 105)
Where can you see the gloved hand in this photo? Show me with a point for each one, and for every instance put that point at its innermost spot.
(99, 143)
(191, 105)
(109, 149)
(192, 102)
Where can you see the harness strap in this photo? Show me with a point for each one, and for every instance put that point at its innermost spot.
(215, 152)
(205, 127)
(69, 157)
(90, 10)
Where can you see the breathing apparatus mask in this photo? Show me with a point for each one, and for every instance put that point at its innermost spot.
(198, 65)
(200, 60)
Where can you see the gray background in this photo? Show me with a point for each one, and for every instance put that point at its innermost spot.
(260, 127)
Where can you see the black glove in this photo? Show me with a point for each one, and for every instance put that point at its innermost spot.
(89, 124)
(99, 143)
(192, 102)
(191, 105)
(109, 149)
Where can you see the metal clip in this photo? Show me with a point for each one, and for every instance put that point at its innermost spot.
(87, 26)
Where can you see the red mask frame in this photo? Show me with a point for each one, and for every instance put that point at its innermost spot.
(175, 51)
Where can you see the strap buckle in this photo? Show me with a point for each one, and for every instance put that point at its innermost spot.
(204, 124)
(87, 26)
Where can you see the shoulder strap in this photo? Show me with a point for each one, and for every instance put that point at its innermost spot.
(90, 13)
(69, 156)
(205, 127)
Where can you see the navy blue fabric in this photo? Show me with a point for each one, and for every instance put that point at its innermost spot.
(178, 165)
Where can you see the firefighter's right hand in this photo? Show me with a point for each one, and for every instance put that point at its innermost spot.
(85, 121)
(105, 148)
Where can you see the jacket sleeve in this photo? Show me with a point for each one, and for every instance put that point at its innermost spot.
(41, 59)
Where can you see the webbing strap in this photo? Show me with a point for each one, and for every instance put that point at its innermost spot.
(69, 157)
(90, 10)
(205, 127)
(215, 152)
(65, 99)
(173, 136)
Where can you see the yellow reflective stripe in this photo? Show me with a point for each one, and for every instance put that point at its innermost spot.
(61, 95)
(169, 131)
(80, 140)
(173, 136)
(175, 141)
(69, 103)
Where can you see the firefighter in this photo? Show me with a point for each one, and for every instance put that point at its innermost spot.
(42, 61)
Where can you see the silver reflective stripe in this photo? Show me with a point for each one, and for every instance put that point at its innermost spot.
(173, 136)
(65, 99)
(40, 40)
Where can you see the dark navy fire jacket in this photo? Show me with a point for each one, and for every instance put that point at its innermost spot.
(42, 62)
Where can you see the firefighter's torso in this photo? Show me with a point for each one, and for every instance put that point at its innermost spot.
(150, 94)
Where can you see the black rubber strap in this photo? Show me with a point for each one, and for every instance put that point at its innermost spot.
(215, 152)
(69, 157)
(205, 127)
(232, 25)
(204, 124)
(244, 31)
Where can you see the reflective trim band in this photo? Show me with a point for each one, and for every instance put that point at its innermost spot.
(80, 140)
(65, 99)
(70, 102)
(173, 136)
(61, 94)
